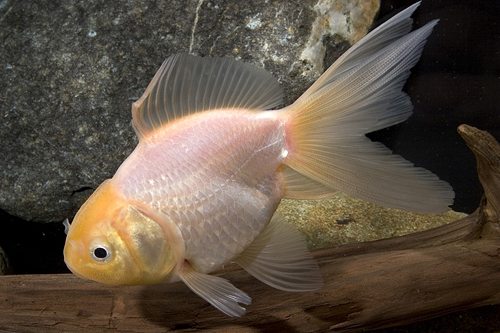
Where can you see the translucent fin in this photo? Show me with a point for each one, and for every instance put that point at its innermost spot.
(298, 186)
(186, 84)
(398, 111)
(279, 258)
(327, 125)
(217, 291)
(66, 225)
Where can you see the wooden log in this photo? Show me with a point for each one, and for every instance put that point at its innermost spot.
(368, 285)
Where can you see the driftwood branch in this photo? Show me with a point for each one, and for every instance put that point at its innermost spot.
(368, 285)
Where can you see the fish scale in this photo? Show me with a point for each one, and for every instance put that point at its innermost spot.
(208, 209)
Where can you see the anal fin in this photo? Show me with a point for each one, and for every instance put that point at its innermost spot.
(279, 258)
(217, 291)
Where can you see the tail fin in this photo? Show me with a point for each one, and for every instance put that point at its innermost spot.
(358, 94)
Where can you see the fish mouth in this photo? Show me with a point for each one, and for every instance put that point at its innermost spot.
(69, 250)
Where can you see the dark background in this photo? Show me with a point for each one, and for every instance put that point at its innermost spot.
(456, 82)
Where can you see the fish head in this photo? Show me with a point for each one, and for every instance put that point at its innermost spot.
(112, 242)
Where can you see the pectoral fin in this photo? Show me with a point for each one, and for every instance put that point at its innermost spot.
(279, 258)
(216, 291)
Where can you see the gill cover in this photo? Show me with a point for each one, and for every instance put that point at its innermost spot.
(112, 242)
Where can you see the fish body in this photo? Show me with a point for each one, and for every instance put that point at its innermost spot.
(201, 188)
(216, 174)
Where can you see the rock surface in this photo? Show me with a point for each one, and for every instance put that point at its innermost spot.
(71, 69)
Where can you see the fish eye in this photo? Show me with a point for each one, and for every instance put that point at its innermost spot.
(100, 253)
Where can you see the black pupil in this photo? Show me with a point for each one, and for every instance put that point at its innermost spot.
(100, 253)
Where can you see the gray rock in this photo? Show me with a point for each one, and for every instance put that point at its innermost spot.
(71, 69)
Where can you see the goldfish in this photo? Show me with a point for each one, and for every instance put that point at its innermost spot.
(214, 160)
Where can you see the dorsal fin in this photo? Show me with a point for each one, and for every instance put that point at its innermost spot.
(187, 84)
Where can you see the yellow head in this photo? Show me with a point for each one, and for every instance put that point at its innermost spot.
(112, 242)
